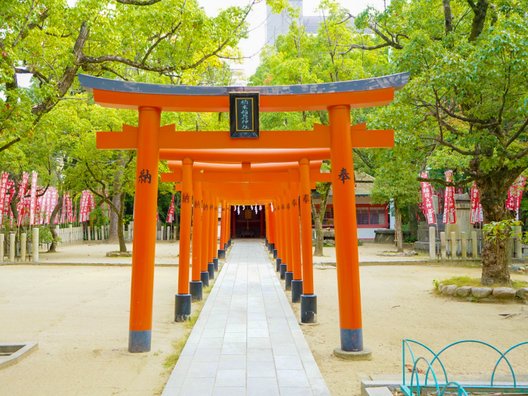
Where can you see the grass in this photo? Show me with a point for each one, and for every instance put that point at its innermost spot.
(172, 359)
(467, 281)
(178, 345)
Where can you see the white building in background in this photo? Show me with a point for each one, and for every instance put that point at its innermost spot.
(278, 24)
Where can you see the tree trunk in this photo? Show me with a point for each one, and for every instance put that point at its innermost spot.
(114, 219)
(318, 216)
(495, 263)
(413, 222)
(53, 227)
(448, 16)
(493, 189)
(479, 18)
(398, 233)
(319, 235)
(121, 223)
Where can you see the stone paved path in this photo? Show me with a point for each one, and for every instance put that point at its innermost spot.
(247, 340)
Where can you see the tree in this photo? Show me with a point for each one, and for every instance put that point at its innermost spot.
(156, 41)
(469, 82)
(300, 58)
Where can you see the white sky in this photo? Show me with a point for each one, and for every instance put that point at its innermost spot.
(257, 19)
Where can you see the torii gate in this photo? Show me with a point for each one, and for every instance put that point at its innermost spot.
(238, 185)
(149, 138)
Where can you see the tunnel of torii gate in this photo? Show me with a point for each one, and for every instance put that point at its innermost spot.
(275, 169)
(268, 185)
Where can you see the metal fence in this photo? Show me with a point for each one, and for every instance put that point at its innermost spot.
(424, 371)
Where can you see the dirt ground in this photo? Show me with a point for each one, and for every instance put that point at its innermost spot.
(398, 303)
(79, 316)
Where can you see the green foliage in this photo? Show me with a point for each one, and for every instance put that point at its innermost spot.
(496, 231)
(171, 41)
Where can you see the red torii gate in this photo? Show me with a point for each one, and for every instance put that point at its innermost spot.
(149, 138)
(238, 185)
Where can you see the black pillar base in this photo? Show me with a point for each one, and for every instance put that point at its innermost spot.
(278, 264)
(183, 307)
(274, 253)
(271, 247)
(204, 277)
(215, 262)
(196, 288)
(139, 341)
(283, 268)
(308, 308)
(288, 277)
(210, 269)
(296, 290)
(221, 253)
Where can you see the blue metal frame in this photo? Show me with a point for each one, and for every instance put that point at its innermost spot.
(415, 384)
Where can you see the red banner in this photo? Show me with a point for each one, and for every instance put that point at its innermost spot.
(427, 200)
(33, 198)
(515, 193)
(170, 213)
(449, 200)
(3, 191)
(87, 204)
(475, 215)
(9, 195)
(66, 211)
(23, 201)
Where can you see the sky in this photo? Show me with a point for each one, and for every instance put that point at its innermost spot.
(257, 19)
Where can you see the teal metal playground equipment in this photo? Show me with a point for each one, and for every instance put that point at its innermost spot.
(426, 381)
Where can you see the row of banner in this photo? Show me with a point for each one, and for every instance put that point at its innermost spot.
(35, 205)
(513, 201)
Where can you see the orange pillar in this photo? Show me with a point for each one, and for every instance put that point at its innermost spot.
(196, 285)
(228, 228)
(296, 287)
(276, 224)
(281, 209)
(288, 276)
(266, 231)
(223, 225)
(215, 246)
(183, 298)
(213, 223)
(204, 256)
(271, 226)
(308, 298)
(345, 226)
(144, 244)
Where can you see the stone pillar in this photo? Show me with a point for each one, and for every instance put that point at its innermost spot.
(35, 244)
(443, 245)
(454, 244)
(23, 247)
(463, 245)
(432, 242)
(2, 247)
(12, 246)
(474, 244)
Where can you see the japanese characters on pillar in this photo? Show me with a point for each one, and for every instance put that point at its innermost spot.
(244, 114)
